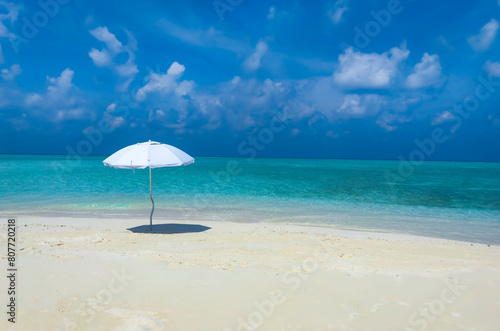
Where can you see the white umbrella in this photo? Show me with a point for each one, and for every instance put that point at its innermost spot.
(149, 154)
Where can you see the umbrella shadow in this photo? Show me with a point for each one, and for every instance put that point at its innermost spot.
(170, 228)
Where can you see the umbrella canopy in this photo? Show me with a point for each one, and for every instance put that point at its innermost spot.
(150, 154)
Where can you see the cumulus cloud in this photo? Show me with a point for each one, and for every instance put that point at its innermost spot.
(33, 99)
(482, 41)
(101, 58)
(184, 88)
(315, 102)
(114, 118)
(362, 70)
(57, 92)
(336, 10)
(352, 105)
(425, 73)
(61, 100)
(253, 61)
(493, 68)
(10, 74)
(128, 69)
(62, 84)
(166, 83)
(106, 57)
(390, 121)
(102, 34)
(356, 105)
(242, 104)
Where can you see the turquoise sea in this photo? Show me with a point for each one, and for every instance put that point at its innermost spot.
(455, 200)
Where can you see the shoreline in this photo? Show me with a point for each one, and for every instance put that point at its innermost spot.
(199, 275)
(163, 219)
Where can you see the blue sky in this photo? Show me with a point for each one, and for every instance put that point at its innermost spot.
(332, 79)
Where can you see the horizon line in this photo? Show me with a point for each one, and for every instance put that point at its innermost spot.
(271, 157)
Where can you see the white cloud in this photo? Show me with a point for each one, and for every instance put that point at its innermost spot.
(443, 117)
(100, 58)
(384, 121)
(61, 100)
(337, 10)
(482, 41)
(166, 83)
(184, 88)
(361, 70)
(389, 121)
(9, 13)
(351, 105)
(493, 68)
(61, 85)
(117, 121)
(33, 99)
(239, 104)
(253, 61)
(113, 47)
(10, 74)
(316, 100)
(126, 70)
(111, 107)
(114, 119)
(69, 114)
(271, 13)
(425, 73)
(356, 105)
(102, 34)
(176, 69)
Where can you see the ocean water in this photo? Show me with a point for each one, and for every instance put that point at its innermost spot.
(454, 200)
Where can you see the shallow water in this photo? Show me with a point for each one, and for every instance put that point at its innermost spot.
(455, 200)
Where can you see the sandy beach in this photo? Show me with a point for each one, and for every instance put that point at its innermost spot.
(93, 274)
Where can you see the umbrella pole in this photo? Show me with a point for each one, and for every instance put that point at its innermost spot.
(152, 201)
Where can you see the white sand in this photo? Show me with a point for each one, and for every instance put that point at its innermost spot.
(91, 274)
